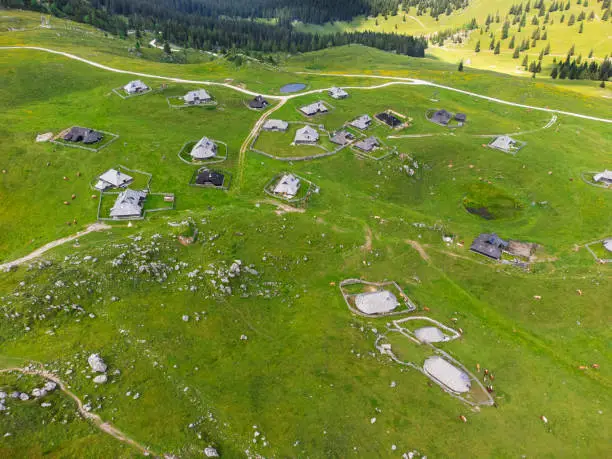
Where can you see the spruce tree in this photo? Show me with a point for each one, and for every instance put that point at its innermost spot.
(477, 49)
(497, 48)
(460, 68)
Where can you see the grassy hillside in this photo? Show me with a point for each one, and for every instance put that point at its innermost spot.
(595, 36)
(308, 379)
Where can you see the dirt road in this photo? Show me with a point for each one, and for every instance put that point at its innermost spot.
(38, 252)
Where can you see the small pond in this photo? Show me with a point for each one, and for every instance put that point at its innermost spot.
(293, 87)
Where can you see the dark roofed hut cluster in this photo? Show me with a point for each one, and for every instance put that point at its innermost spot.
(444, 117)
(83, 135)
(489, 245)
(258, 103)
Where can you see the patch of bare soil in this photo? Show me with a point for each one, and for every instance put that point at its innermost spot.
(419, 248)
(282, 208)
(367, 246)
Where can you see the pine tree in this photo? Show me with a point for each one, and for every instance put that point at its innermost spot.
(554, 73)
(460, 68)
(511, 44)
(590, 54)
(492, 44)
(525, 61)
(581, 29)
(477, 49)
(516, 53)
(167, 48)
(497, 48)
(571, 20)
(505, 29)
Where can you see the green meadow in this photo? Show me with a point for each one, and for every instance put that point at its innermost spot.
(307, 378)
(594, 38)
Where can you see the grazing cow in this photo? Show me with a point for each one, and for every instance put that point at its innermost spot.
(463, 418)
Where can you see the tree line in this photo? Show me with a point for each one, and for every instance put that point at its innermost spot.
(188, 28)
(577, 69)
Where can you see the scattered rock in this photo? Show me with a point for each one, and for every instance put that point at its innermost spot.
(211, 452)
(39, 392)
(100, 379)
(96, 363)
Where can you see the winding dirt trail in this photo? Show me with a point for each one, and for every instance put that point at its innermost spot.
(105, 427)
(390, 81)
(38, 252)
(462, 91)
(247, 142)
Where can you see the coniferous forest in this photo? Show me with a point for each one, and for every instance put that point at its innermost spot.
(231, 24)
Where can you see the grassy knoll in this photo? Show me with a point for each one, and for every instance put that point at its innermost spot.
(308, 375)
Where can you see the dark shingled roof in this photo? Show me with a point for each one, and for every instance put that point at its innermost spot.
(441, 117)
(461, 117)
(489, 245)
(389, 119)
(85, 135)
(258, 102)
(210, 178)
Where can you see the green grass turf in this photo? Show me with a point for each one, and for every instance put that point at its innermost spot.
(280, 143)
(595, 35)
(308, 371)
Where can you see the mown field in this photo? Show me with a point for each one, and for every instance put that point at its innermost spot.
(307, 376)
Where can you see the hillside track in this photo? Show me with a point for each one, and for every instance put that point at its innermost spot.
(94, 418)
(51, 245)
(390, 81)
